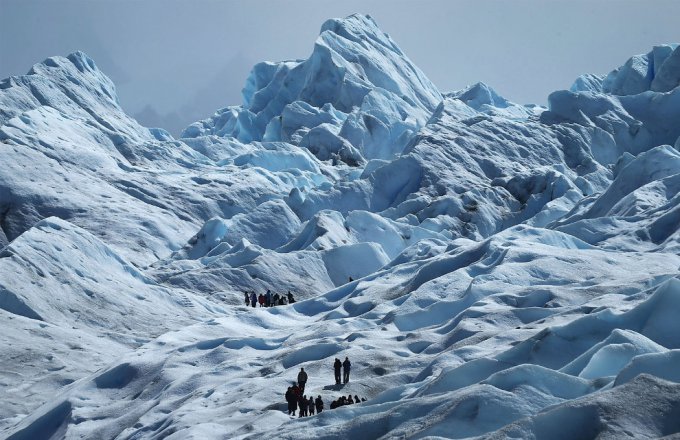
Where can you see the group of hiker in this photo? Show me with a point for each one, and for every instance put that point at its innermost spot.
(342, 400)
(267, 299)
(298, 400)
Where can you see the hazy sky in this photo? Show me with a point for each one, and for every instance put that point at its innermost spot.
(191, 57)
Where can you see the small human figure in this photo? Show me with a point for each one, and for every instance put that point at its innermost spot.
(247, 299)
(283, 301)
(356, 399)
(346, 365)
(303, 406)
(260, 299)
(363, 399)
(351, 279)
(291, 300)
(275, 299)
(296, 391)
(336, 366)
(302, 379)
(291, 398)
(319, 404)
(310, 406)
(268, 298)
(349, 400)
(253, 299)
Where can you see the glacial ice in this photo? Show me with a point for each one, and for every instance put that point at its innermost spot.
(514, 268)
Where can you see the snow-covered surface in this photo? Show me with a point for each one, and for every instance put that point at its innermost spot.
(515, 269)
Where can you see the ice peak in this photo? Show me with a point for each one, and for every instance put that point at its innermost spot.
(82, 61)
(658, 71)
(356, 97)
(358, 28)
(479, 94)
(79, 59)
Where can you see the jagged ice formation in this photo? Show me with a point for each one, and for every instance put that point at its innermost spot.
(515, 268)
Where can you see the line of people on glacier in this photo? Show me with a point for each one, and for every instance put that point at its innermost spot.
(297, 400)
(268, 299)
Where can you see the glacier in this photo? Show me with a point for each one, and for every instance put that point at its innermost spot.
(493, 270)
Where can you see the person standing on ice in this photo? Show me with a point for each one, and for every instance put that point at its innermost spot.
(319, 404)
(291, 300)
(310, 406)
(260, 299)
(297, 391)
(268, 298)
(253, 299)
(291, 398)
(275, 300)
(345, 369)
(303, 406)
(336, 366)
(302, 379)
(247, 299)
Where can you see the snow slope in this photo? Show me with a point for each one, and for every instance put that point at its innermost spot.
(514, 270)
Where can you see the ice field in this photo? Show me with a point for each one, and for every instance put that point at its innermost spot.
(492, 270)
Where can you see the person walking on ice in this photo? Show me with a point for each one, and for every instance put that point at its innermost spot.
(253, 299)
(310, 406)
(345, 369)
(336, 366)
(302, 379)
(291, 398)
(302, 404)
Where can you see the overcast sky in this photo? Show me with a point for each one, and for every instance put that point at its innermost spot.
(190, 57)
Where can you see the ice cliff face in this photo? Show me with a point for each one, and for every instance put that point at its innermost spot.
(515, 268)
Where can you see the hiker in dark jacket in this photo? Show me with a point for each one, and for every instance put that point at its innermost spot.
(247, 299)
(302, 403)
(345, 369)
(268, 298)
(291, 300)
(337, 365)
(350, 401)
(302, 379)
(356, 399)
(253, 299)
(296, 391)
(310, 406)
(275, 299)
(291, 398)
(319, 404)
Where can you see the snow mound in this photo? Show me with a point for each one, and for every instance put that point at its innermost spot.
(662, 365)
